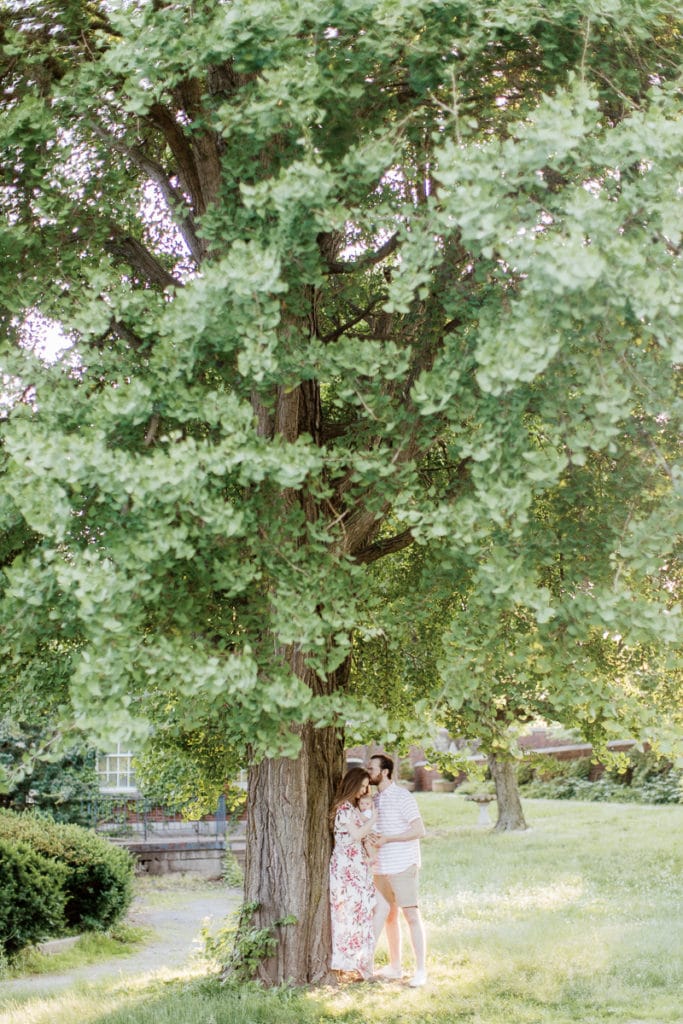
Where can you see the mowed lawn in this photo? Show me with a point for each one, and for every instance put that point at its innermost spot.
(579, 919)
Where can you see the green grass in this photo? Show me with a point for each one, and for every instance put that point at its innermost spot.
(576, 921)
(167, 890)
(90, 948)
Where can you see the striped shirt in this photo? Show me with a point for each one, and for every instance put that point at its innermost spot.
(396, 811)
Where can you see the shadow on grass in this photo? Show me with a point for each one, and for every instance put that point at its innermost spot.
(488, 989)
(571, 924)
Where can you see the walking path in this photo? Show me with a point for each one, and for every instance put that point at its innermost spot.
(176, 938)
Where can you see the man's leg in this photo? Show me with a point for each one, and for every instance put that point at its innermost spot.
(392, 927)
(419, 943)
(417, 935)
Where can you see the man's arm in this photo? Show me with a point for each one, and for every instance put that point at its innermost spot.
(415, 830)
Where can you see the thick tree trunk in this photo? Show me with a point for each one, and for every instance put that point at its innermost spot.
(288, 838)
(288, 854)
(510, 813)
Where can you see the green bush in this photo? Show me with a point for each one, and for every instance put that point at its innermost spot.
(580, 768)
(525, 772)
(99, 881)
(32, 897)
(62, 788)
(645, 780)
(667, 789)
(232, 872)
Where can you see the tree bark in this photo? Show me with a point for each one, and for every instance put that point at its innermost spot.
(510, 813)
(288, 838)
(288, 853)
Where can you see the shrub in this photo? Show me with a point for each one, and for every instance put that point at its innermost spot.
(32, 897)
(665, 789)
(62, 788)
(232, 872)
(525, 772)
(580, 768)
(639, 777)
(99, 882)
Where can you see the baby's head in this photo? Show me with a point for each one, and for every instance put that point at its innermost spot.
(365, 802)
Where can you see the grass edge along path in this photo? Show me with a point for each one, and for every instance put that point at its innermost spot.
(573, 921)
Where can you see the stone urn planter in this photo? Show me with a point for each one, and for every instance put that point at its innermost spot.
(442, 786)
(482, 800)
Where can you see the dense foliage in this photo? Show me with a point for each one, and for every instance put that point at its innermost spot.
(188, 780)
(32, 897)
(99, 876)
(65, 786)
(640, 778)
(469, 276)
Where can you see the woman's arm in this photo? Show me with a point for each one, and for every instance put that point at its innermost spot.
(361, 831)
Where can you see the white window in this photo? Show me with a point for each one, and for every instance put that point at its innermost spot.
(115, 771)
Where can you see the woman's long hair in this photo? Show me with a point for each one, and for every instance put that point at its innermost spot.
(347, 791)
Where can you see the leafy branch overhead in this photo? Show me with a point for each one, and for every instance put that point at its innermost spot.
(336, 281)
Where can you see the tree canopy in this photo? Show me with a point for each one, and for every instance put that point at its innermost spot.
(337, 279)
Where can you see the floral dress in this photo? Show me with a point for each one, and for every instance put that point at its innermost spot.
(352, 897)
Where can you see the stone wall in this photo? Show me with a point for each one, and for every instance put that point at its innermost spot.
(203, 856)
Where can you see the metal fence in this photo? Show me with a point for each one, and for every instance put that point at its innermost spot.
(123, 815)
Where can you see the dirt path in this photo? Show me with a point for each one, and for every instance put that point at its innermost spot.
(176, 928)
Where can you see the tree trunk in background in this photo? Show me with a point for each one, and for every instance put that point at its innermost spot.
(288, 853)
(510, 813)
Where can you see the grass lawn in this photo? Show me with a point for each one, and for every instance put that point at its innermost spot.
(577, 920)
(89, 948)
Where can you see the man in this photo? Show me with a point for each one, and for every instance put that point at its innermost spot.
(400, 829)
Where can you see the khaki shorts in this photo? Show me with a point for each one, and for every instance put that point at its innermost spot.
(400, 889)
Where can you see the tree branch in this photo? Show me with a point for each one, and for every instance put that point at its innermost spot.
(129, 250)
(368, 260)
(199, 174)
(152, 429)
(175, 201)
(386, 546)
(361, 315)
(124, 332)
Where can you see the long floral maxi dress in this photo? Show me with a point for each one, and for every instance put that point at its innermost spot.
(352, 897)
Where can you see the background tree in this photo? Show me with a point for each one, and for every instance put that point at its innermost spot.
(294, 254)
(485, 650)
(64, 786)
(188, 772)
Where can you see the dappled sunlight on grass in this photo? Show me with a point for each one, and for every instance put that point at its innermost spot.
(72, 1007)
(492, 902)
(573, 922)
(92, 947)
(86, 1001)
(391, 1003)
(169, 890)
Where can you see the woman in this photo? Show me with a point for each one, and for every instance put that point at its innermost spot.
(352, 890)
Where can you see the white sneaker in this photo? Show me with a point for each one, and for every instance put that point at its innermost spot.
(389, 973)
(418, 979)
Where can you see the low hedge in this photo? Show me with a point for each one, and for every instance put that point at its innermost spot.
(32, 896)
(646, 779)
(98, 885)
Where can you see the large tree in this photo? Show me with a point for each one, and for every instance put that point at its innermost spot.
(298, 249)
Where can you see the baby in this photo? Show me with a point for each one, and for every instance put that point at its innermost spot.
(366, 806)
